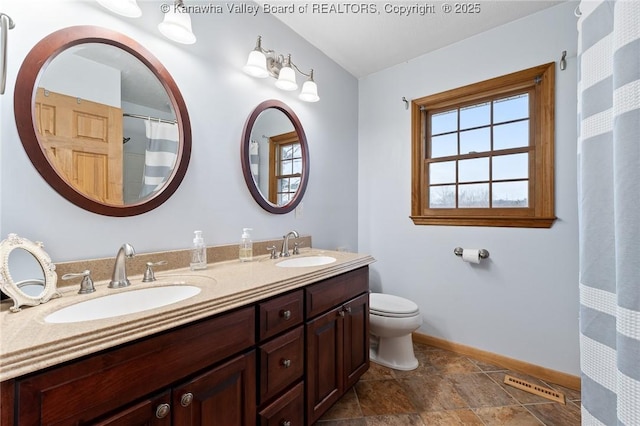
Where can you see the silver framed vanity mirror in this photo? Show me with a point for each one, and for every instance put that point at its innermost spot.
(275, 157)
(27, 274)
(102, 121)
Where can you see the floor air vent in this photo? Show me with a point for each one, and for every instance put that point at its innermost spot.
(534, 389)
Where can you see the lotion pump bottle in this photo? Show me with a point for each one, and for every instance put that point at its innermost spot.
(198, 252)
(246, 246)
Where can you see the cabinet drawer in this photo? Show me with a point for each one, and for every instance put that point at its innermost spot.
(334, 291)
(281, 363)
(279, 314)
(286, 410)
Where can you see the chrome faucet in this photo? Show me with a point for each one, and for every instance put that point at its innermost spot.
(119, 278)
(285, 243)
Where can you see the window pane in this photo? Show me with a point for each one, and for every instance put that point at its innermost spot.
(444, 122)
(475, 116)
(297, 165)
(513, 108)
(445, 145)
(476, 169)
(442, 197)
(284, 199)
(442, 172)
(294, 184)
(286, 167)
(512, 135)
(283, 185)
(286, 152)
(474, 195)
(478, 140)
(511, 194)
(296, 150)
(515, 166)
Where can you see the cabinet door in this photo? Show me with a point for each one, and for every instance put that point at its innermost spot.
(356, 339)
(155, 411)
(324, 362)
(223, 396)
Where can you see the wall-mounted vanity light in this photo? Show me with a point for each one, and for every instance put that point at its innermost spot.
(176, 25)
(263, 63)
(128, 8)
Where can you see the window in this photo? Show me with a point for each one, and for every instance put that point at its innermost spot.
(482, 155)
(285, 170)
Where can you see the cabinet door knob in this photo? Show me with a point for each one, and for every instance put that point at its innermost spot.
(285, 423)
(286, 363)
(341, 312)
(163, 410)
(186, 399)
(285, 314)
(347, 309)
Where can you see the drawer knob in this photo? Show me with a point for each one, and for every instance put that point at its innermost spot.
(286, 363)
(186, 399)
(163, 410)
(285, 314)
(285, 423)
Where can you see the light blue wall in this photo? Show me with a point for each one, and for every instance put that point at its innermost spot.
(523, 302)
(219, 97)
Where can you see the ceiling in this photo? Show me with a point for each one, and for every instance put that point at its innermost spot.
(364, 43)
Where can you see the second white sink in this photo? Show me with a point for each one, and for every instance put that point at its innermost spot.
(301, 262)
(127, 302)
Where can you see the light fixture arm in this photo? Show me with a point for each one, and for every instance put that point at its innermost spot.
(276, 61)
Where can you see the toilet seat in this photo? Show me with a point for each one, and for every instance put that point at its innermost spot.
(388, 305)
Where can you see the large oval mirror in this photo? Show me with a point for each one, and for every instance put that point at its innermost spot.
(102, 121)
(275, 157)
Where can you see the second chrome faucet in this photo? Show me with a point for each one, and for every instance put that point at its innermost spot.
(119, 277)
(285, 243)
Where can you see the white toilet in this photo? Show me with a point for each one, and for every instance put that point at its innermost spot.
(392, 319)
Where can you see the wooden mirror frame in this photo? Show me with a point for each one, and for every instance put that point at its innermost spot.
(246, 164)
(26, 84)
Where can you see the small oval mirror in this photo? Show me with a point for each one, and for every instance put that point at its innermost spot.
(275, 157)
(26, 273)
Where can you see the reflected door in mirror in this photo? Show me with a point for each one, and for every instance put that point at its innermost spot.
(83, 141)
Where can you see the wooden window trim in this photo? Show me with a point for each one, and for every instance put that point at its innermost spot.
(275, 142)
(540, 213)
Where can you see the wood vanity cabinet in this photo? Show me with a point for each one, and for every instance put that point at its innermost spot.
(112, 387)
(337, 330)
(278, 362)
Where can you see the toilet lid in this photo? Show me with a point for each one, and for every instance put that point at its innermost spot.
(389, 305)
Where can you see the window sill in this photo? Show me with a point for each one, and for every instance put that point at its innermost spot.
(493, 221)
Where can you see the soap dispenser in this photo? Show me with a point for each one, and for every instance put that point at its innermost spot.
(246, 246)
(198, 252)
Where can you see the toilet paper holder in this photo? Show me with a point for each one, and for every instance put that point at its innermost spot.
(484, 253)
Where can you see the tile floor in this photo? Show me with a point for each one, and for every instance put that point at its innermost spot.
(448, 389)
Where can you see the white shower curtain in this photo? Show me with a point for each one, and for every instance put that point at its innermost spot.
(609, 203)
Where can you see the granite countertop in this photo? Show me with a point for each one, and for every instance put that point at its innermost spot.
(28, 343)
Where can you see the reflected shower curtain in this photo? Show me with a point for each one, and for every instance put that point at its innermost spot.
(160, 155)
(609, 203)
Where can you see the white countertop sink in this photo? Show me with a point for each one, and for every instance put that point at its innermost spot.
(123, 303)
(301, 262)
